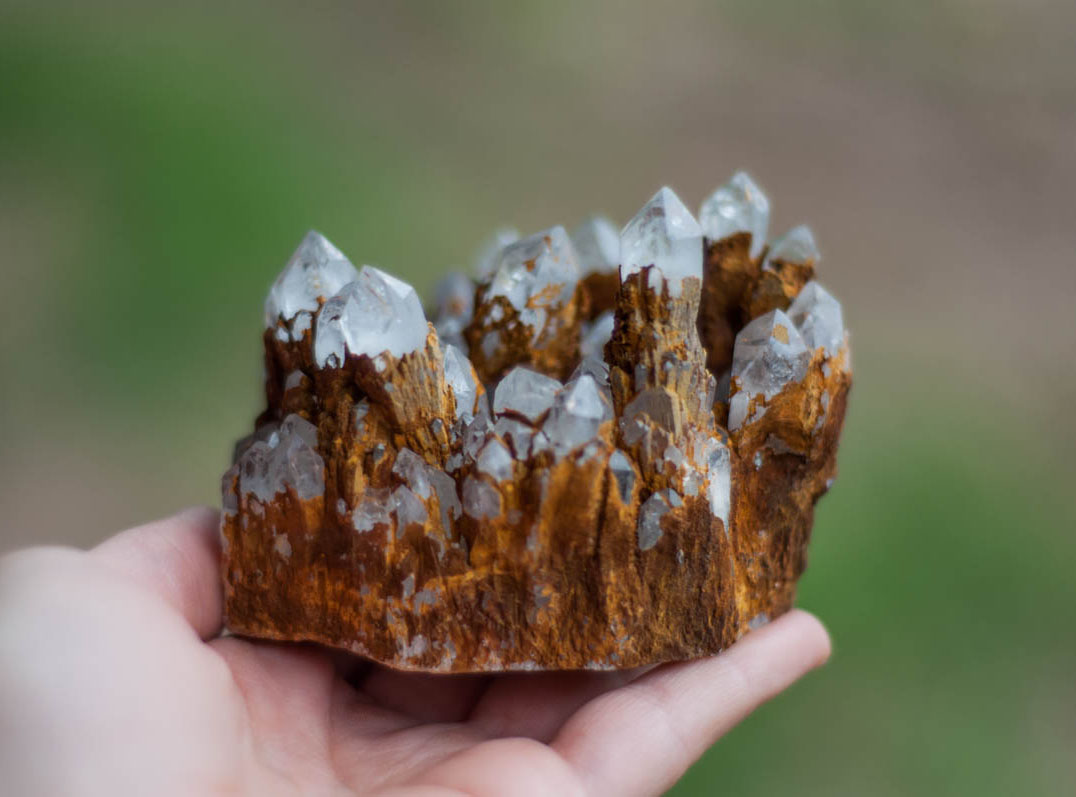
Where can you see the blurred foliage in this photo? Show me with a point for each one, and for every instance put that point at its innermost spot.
(157, 168)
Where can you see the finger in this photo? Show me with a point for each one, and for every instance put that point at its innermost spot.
(178, 559)
(426, 697)
(537, 705)
(640, 739)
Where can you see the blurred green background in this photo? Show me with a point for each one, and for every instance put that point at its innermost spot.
(158, 165)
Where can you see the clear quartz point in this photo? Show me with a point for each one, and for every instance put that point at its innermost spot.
(663, 234)
(454, 307)
(536, 274)
(373, 509)
(768, 354)
(596, 334)
(495, 460)
(316, 271)
(408, 508)
(577, 414)
(454, 296)
(459, 374)
(375, 313)
(525, 392)
(480, 500)
(624, 474)
(597, 242)
(414, 471)
(795, 246)
(490, 249)
(737, 206)
(648, 530)
(286, 458)
(817, 316)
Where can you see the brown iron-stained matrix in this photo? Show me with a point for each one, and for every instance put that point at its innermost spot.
(604, 452)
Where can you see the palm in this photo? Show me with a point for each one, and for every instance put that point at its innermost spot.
(140, 703)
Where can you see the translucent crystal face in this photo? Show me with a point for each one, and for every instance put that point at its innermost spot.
(455, 296)
(713, 459)
(490, 249)
(375, 313)
(413, 469)
(525, 392)
(768, 354)
(536, 274)
(480, 500)
(817, 316)
(577, 414)
(597, 242)
(648, 530)
(737, 206)
(666, 235)
(795, 246)
(624, 474)
(315, 271)
(495, 460)
(287, 457)
(459, 374)
(596, 334)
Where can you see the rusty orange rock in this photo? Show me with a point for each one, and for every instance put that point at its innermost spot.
(530, 507)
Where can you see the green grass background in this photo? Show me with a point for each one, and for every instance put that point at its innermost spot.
(157, 166)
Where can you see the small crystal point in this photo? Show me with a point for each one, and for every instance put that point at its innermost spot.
(314, 272)
(596, 335)
(624, 474)
(490, 249)
(480, 500)
(655, 507)
(597, 242)
(663, 234)
(768, 354)
(577, 414)
(538, 271)
(375, 313)
(495, 460)
(817, 316)
(459, 374)
(454, 296)
(409, 509)
(596, 367)
(414, 471)
(737, 206)
(286, 457)
(795, 246)
(525, 392)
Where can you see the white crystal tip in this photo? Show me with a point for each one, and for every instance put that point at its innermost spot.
(663, 234)
(737, 206)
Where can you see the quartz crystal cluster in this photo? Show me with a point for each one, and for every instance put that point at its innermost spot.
(602, 450)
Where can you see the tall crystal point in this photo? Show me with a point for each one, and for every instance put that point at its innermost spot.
(737, 206)
(314, 272)
(817, 316)
(666, 235)
(537, 271)
(490, 249)
(373, 314)
(795, 246)
(769, 353)
(459, 374)
(597, 242)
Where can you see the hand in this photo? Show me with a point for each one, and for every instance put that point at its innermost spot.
(114, 679)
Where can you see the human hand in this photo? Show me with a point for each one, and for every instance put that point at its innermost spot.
(114, 679)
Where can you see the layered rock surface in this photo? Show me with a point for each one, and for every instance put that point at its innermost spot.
(604, 453)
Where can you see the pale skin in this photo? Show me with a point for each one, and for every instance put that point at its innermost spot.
(115, 679)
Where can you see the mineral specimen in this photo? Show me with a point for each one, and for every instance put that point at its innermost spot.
(604, 452)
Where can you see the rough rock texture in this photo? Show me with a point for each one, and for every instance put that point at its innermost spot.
(623, 471)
